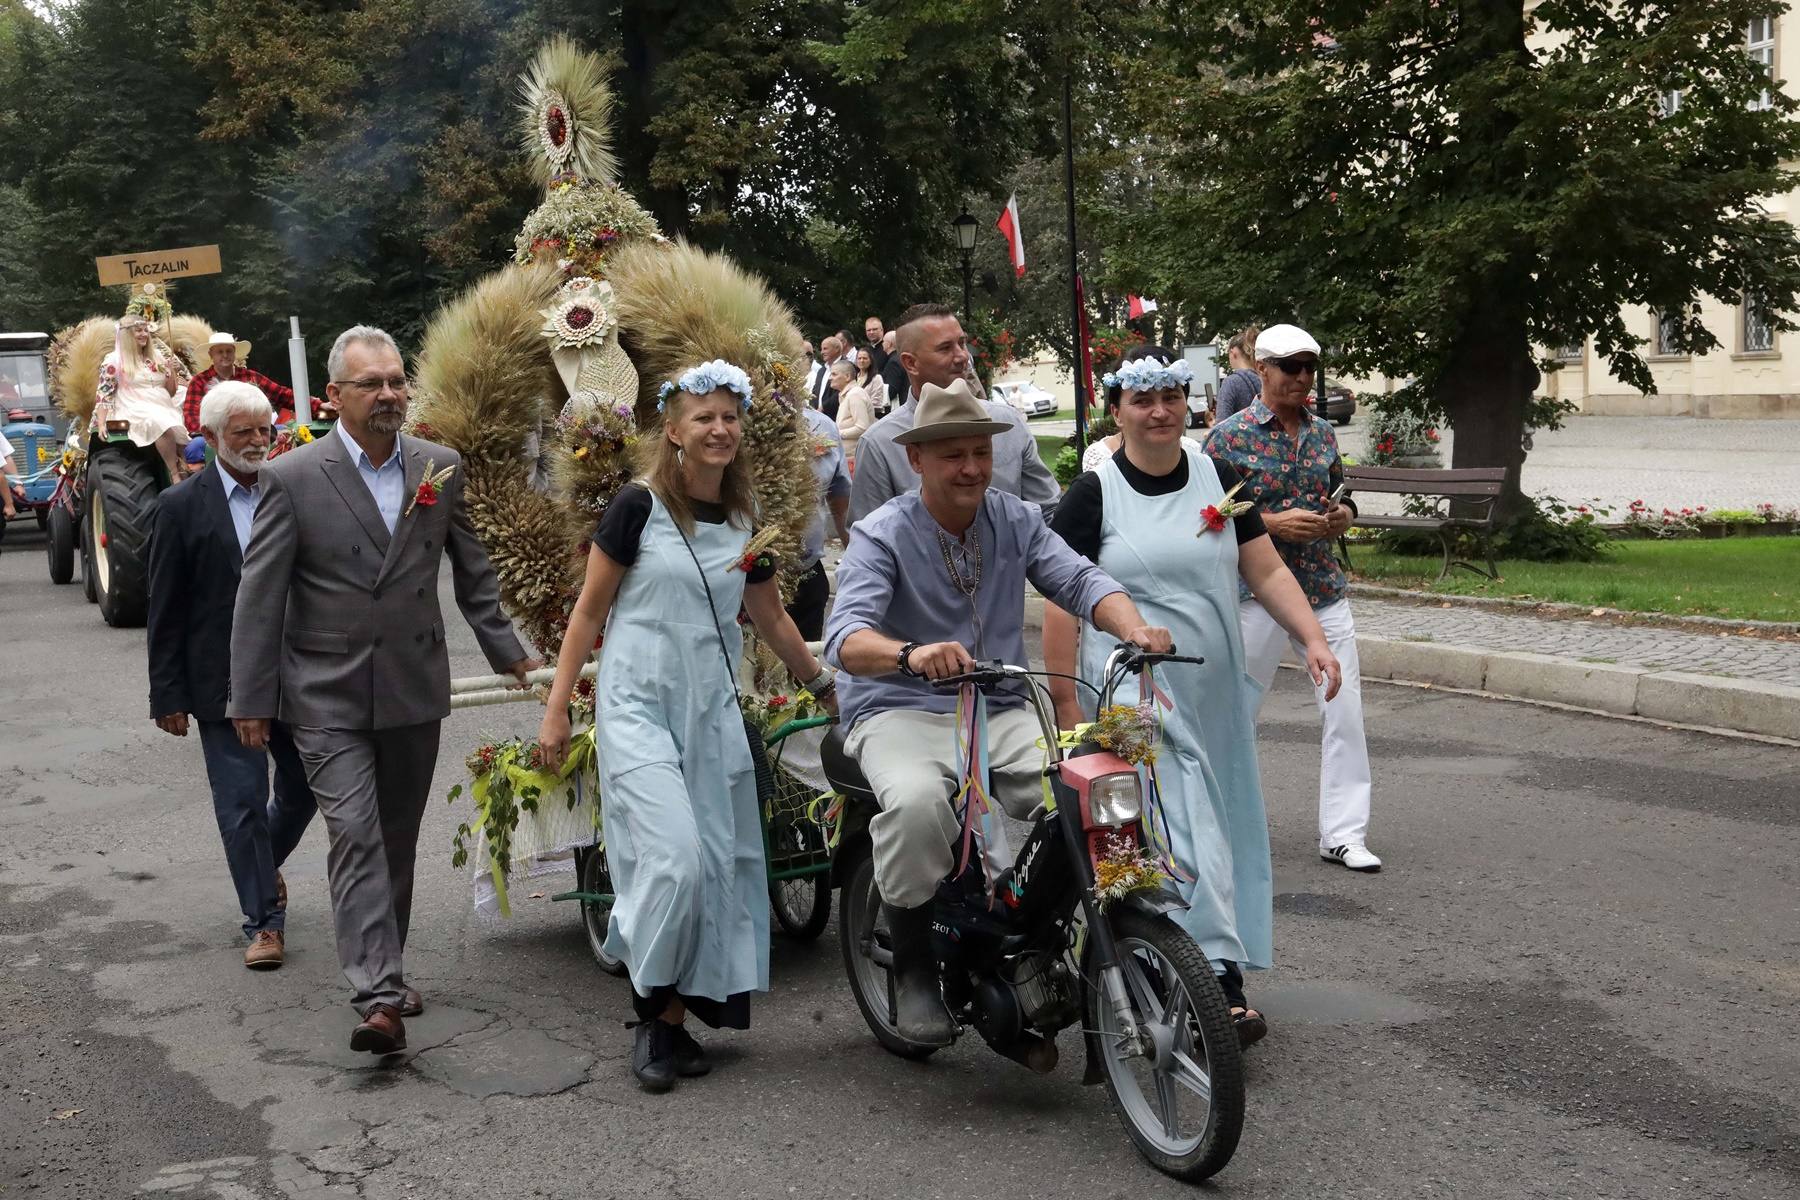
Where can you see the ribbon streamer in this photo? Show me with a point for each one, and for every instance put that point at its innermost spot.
(1156, 821)
(976, 810)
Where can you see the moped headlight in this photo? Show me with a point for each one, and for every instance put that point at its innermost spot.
(1115, 800)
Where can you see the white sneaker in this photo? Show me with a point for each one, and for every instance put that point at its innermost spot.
(1354, 855)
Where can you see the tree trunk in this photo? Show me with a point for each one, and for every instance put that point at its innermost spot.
(1490, 373)
(1486, 387)
(643, 31)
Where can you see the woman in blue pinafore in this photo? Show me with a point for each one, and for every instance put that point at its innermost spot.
(1150, 517)
(665, 580)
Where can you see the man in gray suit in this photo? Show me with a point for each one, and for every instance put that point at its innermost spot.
(337, 634)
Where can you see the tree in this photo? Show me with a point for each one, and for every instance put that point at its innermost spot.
(1438, 191)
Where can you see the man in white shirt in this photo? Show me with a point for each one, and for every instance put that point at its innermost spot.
(196, 552)
(932, 348)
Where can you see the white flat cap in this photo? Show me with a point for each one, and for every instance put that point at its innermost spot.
(1279, 341)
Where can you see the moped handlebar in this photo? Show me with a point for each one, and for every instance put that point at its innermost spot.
(1132, 659)
(986, 674)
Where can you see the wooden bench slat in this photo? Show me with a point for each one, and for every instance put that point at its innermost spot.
(1448, 488)
(1427, 474)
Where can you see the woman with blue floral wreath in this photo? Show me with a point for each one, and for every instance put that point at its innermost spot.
(1159, 517)
(666, 577)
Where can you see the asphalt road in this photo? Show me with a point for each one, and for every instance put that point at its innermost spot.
(1576, 978)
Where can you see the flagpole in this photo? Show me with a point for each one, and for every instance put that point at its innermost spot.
(1080, 356)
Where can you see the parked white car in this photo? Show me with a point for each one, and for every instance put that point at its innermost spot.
(1027, 397)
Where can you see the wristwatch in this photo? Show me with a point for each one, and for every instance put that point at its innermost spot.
(906, 653)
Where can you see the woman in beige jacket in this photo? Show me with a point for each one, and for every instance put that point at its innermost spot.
(855, 413)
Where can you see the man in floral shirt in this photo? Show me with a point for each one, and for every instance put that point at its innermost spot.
(1291, 468)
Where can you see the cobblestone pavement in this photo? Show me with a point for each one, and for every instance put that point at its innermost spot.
(1664, 461)
(1591, 641)
(1667, 462)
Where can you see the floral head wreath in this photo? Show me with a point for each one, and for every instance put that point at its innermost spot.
(1150, 375)
(707, 377)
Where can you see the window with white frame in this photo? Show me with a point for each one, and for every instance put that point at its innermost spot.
(1668, 334)
(1570, 353)
(1759, 328)
(1668, 103)
(1759, 42)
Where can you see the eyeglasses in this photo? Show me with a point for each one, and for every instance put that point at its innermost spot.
(397, 383)
(1294, 366)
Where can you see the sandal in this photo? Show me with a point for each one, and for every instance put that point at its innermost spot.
(1250, 1024)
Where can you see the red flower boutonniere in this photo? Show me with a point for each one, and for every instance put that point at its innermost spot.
(753, 559)
(1214, 516)
(429, 487)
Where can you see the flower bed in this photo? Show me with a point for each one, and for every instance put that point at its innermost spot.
(1765, 520)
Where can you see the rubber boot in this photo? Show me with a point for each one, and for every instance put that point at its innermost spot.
(919, 1010)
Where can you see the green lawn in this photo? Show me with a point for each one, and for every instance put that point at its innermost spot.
(1755, 578)
(1050, 445)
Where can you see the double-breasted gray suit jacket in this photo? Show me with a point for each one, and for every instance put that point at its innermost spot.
(337, 623)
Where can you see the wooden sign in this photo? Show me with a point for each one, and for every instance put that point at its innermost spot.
(153, 265)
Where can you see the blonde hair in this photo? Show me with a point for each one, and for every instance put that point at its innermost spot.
(659, 466)
(133, 360)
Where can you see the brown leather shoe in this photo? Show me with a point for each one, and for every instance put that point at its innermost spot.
(411, 1003)
(280, 893)
(381, 1031)
(265, 951)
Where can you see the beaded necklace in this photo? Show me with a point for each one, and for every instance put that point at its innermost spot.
(966, 584)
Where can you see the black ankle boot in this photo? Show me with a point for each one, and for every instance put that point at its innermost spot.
(690, 1057)
(653, 1056)
(919, 1011)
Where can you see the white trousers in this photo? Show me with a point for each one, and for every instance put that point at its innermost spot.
(1343, 753)
(909, 759)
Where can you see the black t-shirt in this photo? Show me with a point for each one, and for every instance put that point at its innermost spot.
(621, 529)
(1078, 517)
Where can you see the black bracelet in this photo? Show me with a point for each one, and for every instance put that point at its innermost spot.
(906, 653)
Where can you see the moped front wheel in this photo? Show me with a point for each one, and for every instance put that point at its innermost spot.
(868, 955)
(595, 915)
(1179, 1085)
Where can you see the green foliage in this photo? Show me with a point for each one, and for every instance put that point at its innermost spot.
(357, 161)
(1546, 529)
(1542, 529)
(1745, 578)
(1435, 199)
(1395, 429)
(1067, 465)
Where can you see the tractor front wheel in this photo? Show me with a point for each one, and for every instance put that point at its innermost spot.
(122, 487)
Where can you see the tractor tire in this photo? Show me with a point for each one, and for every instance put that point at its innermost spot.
(121, 502)
(87, 557)
(59, 543)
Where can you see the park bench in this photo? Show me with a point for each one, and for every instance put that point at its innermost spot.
(1446, 503)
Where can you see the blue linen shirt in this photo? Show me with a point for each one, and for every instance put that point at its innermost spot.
(241, 501)
(386, 483)
(834, 481)
(893, 580)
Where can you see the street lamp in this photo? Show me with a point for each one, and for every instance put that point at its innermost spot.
(966, 227)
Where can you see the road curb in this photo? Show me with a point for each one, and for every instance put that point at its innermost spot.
(1676, 697)
(1558, 610)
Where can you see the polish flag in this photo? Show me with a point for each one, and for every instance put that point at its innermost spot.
(1008, 225)
(1140, 306)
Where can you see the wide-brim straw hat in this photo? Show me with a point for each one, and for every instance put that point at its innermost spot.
(949, 412)
(225, 339)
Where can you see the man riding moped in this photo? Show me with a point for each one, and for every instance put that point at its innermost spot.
(932, 582)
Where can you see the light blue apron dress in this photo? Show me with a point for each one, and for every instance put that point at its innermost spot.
(677, 788)
(1211, 788)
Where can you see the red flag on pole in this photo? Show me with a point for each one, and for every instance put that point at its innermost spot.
(1087, 342)
(1139, 306)
(1008, 225)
